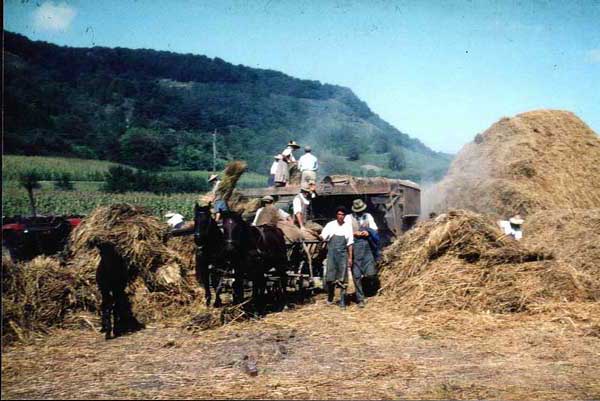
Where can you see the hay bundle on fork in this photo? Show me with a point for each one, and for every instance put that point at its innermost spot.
(232, 173)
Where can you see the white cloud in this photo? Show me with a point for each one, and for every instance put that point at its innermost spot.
(53, 17)
(593, 56)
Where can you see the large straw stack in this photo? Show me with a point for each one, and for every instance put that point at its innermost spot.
(461, 260)
(540, 160)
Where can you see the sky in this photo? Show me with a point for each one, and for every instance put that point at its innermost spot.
(440, 71)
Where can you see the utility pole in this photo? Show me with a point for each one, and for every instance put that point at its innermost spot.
(215, 151)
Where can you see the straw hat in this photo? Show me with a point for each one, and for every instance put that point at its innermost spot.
(267, 198)
(517, 220)
(358, 205)
(169, 214)
(293, 144)
(212, 177)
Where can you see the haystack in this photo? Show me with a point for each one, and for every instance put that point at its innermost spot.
(41, 293)
(461, 260)
(539, 160)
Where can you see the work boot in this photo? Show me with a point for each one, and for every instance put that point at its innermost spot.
(343, 298)
(330, 292)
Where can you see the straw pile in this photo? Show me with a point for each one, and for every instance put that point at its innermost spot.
(41, 293)
(461, 260)
(539, 160)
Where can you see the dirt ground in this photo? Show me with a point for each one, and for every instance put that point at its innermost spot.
(318, 352)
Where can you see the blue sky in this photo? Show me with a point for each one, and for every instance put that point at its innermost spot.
(440, 71)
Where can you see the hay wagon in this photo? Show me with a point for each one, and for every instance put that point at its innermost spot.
(395, 204)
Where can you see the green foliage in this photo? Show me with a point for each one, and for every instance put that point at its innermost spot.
(157, 111)
(52, 168)
(120, 180)
(30, 180)
(64, 183)
(397, 161)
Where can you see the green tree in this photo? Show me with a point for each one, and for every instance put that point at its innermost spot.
(30, 180)
(143, 148)
(397, 161)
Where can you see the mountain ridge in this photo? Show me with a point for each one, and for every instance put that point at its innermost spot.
(121, 97)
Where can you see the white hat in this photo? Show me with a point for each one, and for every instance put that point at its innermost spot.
(169, 214)
(213, 177)
(517, 220)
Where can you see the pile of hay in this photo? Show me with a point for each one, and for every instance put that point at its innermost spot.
(42, 293)
(461, 260)
(539, 160)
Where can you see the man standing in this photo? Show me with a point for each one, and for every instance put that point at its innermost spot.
(364, 230)
(282, 173)
(273, 171)
(338, 235)
(300, 205)
(219, 203)
(289, 151)
(308, 165)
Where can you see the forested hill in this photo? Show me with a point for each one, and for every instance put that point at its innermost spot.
(158, 110)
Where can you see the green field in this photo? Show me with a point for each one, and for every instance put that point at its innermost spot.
(87, 176)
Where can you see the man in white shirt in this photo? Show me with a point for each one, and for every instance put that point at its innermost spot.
(289, 151)
(340, 240)
(175, 220)
(269, 214)
(300, 205)
(512, 227)
(308, 166)
(273, 171)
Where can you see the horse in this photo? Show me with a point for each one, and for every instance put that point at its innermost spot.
(209, 249)
(253, 252)
(112, 277)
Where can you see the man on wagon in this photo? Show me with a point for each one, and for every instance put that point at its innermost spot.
(270, 214)
(340, 239)
(301, 203)
(220, 204)
(366, 241)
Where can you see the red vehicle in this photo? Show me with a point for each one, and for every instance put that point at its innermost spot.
(28, 237)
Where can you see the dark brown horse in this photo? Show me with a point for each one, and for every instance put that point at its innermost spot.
(254, 252)
(112, 276)
(209, 253)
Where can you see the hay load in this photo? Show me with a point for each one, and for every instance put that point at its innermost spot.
(461, 260)
(42, 293)
(539, 160)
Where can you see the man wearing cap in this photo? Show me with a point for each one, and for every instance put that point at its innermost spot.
(175, 220)
(270, 214)
(366, 241)
(308, 165)
(289, 151)
(301, 204)
(273, 171)
(513, 227)
(338, 235)
(219, 203)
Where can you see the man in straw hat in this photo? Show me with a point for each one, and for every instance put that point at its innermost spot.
(340, 240)
(175, 220)
(513, 226)
(269, 213)
(289, 151)
(301, 205)
(308, 165)
(219, 203)
(366, 243)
